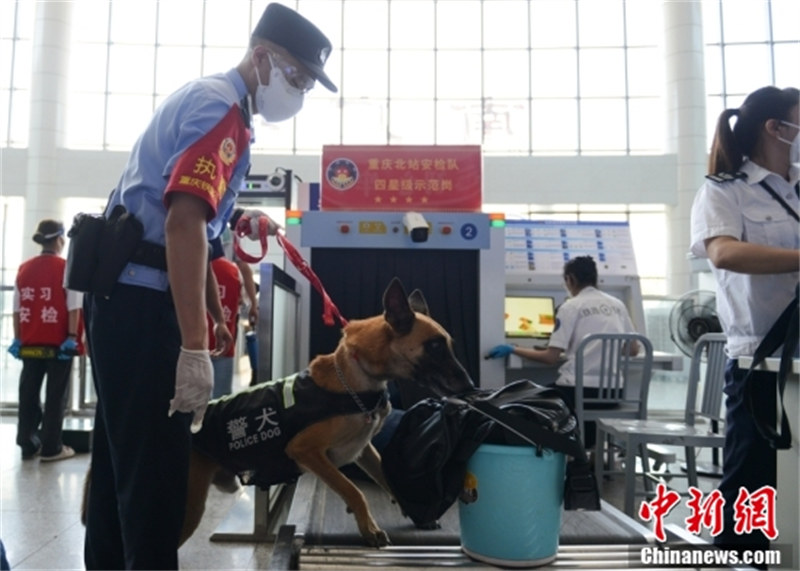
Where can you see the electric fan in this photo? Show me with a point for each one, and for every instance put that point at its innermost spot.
(692, 316)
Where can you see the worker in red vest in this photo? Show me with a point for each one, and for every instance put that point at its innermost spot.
(48, 331)
(229, 281)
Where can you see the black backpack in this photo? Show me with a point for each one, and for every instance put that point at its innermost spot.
(425, 461)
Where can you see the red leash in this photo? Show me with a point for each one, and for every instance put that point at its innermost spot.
(244, 228)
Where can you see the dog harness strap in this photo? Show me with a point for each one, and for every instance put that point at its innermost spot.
(247, 432)
(330, 311)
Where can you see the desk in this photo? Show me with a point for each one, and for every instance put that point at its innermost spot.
(788, 498)
(519, 368)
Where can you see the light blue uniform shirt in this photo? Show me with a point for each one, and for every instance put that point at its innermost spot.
(184, 118)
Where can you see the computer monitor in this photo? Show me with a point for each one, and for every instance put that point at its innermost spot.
(531, 317)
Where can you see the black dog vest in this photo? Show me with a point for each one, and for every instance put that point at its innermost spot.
(247, 432)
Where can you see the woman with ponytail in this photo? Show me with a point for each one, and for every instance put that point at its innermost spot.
(745, 221)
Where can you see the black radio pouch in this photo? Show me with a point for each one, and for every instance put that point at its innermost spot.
(100, 249)
(84, 239)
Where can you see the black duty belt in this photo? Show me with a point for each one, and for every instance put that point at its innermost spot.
(150, 255)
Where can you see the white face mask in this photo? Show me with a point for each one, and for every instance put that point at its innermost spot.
(278, 100)
(794, 145)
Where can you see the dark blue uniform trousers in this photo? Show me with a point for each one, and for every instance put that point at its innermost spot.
(140, 456)
(748, 459)
(58, 373)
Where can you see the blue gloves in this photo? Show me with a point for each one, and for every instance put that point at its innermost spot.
(500, 351)
(14, 348)
(68, 349)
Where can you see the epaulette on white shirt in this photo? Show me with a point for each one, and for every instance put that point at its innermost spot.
(726, 176)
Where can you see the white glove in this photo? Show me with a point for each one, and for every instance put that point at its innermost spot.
(256, 219)
(194, 381)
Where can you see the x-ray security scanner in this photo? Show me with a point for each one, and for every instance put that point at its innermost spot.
(455, 258)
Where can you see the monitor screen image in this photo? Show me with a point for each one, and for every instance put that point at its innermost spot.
(529, 317)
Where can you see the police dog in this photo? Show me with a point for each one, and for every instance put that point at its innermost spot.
(403, 344)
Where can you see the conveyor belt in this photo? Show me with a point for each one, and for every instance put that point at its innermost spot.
(320, 534)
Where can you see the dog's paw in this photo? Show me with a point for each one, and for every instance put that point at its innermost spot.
(377, 539)
(429, 525)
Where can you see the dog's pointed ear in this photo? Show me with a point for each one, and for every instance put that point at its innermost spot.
(396, 309)
(418, 303)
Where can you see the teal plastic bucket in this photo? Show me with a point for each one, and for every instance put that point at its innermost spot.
(510, 508)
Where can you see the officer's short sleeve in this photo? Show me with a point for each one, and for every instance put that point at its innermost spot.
(565, 323)
(715, 212)
(210, 143)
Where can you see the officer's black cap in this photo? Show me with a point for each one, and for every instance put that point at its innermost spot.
(299, 37)
(48, 230)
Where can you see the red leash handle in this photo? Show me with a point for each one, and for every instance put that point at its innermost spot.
(330, 311)
(244, 227)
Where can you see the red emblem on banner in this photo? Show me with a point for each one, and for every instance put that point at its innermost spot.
(402, 177)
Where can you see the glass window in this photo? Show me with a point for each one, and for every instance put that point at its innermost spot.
(645, 71)
(411, 122)
(646, 125)
(411, 24)
(553, 24)
(366, 25)
(458, 122)
(412, 74)
(365, 74)
(458, 24)
(130, 69)
(85, 120)
(132, 22)
(601, 23)
(505, 24)
(504, 73)
(505, 125)
(16, 48)
(785, 18)
(554, 126)
(603, 125)
(787, 70)
(364, 122)
(272, 138)
(554, 73)
(227, 24)
(458, 74)
(318, 124)
(175, 66)
(127, 117)
(180, 24)
(745, 21)
(745, 70)
(220, 60)
(602, 72)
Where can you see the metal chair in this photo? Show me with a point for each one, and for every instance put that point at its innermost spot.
(622, 392)
(699, 428)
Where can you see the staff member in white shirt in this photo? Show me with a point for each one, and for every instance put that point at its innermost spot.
(588, 310)
(745, 221)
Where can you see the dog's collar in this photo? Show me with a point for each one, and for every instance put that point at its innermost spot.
(368, 414)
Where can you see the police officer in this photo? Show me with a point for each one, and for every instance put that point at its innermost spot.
(47, 333)
(149, 339)
(588, 310)
(745, 221)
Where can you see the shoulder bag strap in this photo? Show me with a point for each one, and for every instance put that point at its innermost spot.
(529, 431)
(783, 332)
(792, 212)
